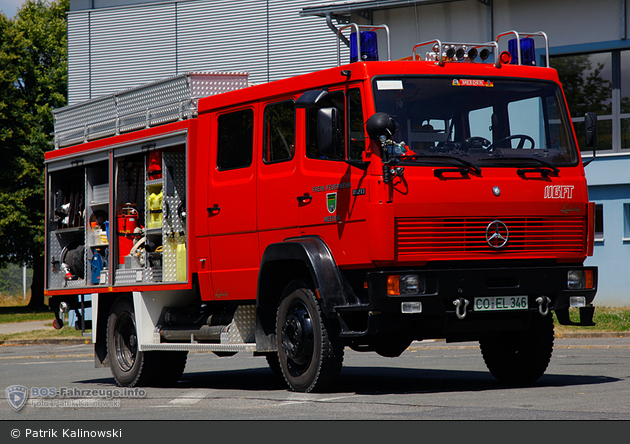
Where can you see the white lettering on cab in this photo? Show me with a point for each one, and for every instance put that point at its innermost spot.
(559, 192)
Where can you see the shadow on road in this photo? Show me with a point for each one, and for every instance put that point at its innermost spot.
(372, 381)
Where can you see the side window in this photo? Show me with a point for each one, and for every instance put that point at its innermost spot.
(480, 121)
(235, 145)
(526, 118)
(356, 128)
(334, 99)
(279, 132)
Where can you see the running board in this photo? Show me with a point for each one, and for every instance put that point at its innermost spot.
(249, 347)
(239, 337)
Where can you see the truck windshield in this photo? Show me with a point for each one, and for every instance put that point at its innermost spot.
(487, 122)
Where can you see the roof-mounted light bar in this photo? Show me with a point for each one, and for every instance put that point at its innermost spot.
(526, 45)
(363, 42)
(446, 51)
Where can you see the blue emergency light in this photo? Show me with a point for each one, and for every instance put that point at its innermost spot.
(369, 46)
(528, 51)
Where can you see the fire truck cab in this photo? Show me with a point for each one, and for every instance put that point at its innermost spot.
(365, 206)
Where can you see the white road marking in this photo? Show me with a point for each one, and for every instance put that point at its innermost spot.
(190, 398)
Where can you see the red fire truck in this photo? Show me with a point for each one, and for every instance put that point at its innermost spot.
(365, 206)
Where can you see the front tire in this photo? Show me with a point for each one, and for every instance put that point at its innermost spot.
(309, 350)
(130, 366)
(520, 357)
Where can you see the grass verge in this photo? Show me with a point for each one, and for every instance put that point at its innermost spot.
(607, 319)
(64, 333)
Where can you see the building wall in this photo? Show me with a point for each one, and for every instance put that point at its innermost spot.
(113, 47)
(609, 186)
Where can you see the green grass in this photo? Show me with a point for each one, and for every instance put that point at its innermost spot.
(14, 308)
(607, 319)
(24, 315)
(64, 333)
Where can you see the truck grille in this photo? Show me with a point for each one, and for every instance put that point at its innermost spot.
(560, 235)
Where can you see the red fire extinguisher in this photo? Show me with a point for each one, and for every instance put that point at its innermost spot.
(128, 219)
(127, 224)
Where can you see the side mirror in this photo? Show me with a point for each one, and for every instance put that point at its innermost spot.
(380, 124)
(328, 131)
(590, 124)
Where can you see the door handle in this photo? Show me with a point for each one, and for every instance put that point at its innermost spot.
(214, 210)
(305, 199)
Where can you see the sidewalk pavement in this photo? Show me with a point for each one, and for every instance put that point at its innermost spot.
(22, 327)
(19, 327)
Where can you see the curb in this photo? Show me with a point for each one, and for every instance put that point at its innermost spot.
(52, 341)
(79, 341)
(620, 334)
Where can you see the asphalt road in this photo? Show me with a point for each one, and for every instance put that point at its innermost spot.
(588, 379)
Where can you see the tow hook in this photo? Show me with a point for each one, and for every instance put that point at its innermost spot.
(543, 305)
(460, 307)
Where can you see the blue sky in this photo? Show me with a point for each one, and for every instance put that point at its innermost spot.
(10, 7)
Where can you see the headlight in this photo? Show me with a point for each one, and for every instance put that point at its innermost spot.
(575, 280)
(580, 279)
(406, 284)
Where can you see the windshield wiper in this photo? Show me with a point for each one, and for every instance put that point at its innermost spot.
(475, 168)
(525, 160)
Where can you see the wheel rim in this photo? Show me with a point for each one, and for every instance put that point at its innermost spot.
(298, 338)
(125, 341)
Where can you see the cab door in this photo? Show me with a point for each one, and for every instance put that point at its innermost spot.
(231, 204)
(335, 185)
(277, 174)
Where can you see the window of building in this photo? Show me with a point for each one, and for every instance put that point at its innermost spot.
(235, 144)
(600, 83)
(279, 132)
(599, 222)
(626, 222)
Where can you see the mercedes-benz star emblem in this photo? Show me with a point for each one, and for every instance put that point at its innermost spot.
(497, 234)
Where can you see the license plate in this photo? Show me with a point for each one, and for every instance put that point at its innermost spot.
(500, 303)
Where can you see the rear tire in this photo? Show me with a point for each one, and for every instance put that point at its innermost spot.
(309, 350)
(274, 364)
(130, 366)
(520, 357)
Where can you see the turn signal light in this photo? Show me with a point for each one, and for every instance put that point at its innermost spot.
(406, 284)
(393, 285)
(588, 279)
(580, 280)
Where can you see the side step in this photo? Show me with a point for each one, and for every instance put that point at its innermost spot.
(251, 347)
(240, 336)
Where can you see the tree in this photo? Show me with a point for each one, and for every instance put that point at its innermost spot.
(584, 85)
(33, 81)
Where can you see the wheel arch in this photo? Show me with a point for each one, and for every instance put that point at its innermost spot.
(307, 258)
(104, 306)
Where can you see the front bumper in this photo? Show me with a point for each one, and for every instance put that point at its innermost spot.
(440, 315)
(445, 286)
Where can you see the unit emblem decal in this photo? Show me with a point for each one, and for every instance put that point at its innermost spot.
(331, 202)
(497, 234)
